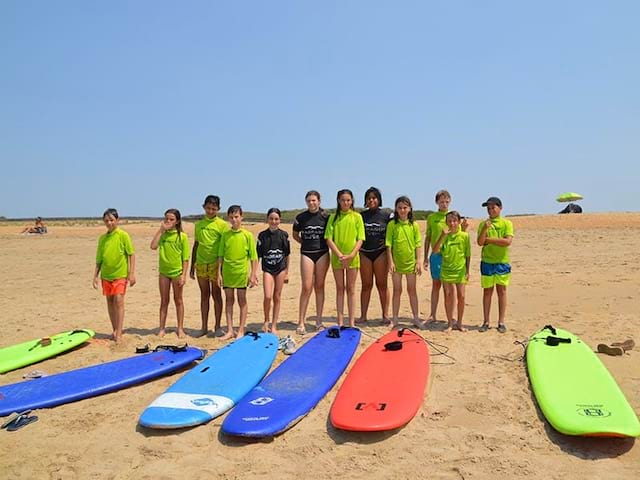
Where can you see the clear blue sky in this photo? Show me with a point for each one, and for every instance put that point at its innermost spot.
(147, 105)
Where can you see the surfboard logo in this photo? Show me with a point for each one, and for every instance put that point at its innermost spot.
(201, 402)
(261, 401)
(368, 406)
(593, 411)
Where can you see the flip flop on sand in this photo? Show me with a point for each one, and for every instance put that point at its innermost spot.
(609, 350)
(626, 345)
(22, 420)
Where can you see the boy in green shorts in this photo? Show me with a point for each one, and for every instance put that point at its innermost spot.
(494, 236)
(236, 249)
(204, 261)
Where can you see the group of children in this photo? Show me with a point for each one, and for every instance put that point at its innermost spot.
(224, 258)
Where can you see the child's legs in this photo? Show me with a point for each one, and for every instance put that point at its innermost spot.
(435, 298)
(502, 303)
(307, 268)
(216, 294)
(113, 316)
(228, 310)
(413, 294)
(460, 293)
(205, 292)
(381, 272)
(268, 284)
(449, 298)
(244, 309)
(487, 293)
(164, 284)
(320, 274)
(351, 276)
(396, 279)
(366, 279)
(277, 294)
(338, 275)
(118, 301)
(177, 299)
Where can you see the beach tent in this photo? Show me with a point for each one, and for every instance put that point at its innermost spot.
(571, 208)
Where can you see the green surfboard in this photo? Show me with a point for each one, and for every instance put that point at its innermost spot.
(23, 354)
(574, 389)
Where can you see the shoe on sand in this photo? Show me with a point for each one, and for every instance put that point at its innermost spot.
(615, 351)
(626, 345)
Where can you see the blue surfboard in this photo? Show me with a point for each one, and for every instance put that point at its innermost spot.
(214, 386)
(54, 390)
(294, 388)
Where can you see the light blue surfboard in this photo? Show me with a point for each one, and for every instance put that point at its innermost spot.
(214, 386)
(54, 390)
(294, 388)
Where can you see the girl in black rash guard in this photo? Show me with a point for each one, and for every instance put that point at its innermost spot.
(273, 248)
(373, 255)
(308, 230)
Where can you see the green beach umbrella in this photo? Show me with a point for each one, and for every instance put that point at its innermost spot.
(569, 197)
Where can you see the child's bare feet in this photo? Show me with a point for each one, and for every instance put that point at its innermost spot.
(320, 326)
(460, 327)
(229, 335)
(430, 318)
(361, 320)
(162, 332)
(394, 324)
(265, 327)
(301, 330)
(449, 329)
(201, 333)
(240, 333)
(418, 323)
(180, 333)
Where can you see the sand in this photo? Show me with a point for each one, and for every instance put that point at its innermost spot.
(478, 418)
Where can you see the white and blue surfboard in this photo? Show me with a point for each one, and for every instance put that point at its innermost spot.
(215, 385)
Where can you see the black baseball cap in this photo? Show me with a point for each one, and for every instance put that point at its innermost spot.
(494, 200)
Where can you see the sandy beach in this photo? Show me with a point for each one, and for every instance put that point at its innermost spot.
(478, 418)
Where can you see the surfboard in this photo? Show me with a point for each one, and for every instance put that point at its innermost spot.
(573, 388)
(293, 389)
(33, 351)
(54, 390)
(385, 387)
(215, 385)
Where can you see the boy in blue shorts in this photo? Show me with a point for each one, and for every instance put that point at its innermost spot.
(494, 236)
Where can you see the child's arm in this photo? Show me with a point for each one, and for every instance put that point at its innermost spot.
(183, 277)
(220, 262)
(501, 242)
(438, 245)
(96, 276)
(253, 277)
(132, 270)
(482, 238)
(427, 244)
(392, 266)
(467, 264)
(418, 261)
(155, 241)
(296, 236)
(194, 251)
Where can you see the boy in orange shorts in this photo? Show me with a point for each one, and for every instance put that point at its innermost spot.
(115, 265)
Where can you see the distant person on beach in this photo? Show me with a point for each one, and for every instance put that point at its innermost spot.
(308, 230)
(116, 266)
(204, 261)
(403, 250)
(39, 227)
(494, 236)
(274, 249)
(455, 248)
(436, 224)
(344, 235)
(173, 260)
(373, 254)
(237, 249)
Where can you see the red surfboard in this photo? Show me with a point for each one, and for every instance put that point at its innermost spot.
(385, 387)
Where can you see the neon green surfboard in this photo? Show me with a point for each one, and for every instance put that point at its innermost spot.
(574, 389)
(23, 354)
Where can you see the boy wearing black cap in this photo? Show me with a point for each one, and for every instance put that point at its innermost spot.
(494, 236)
